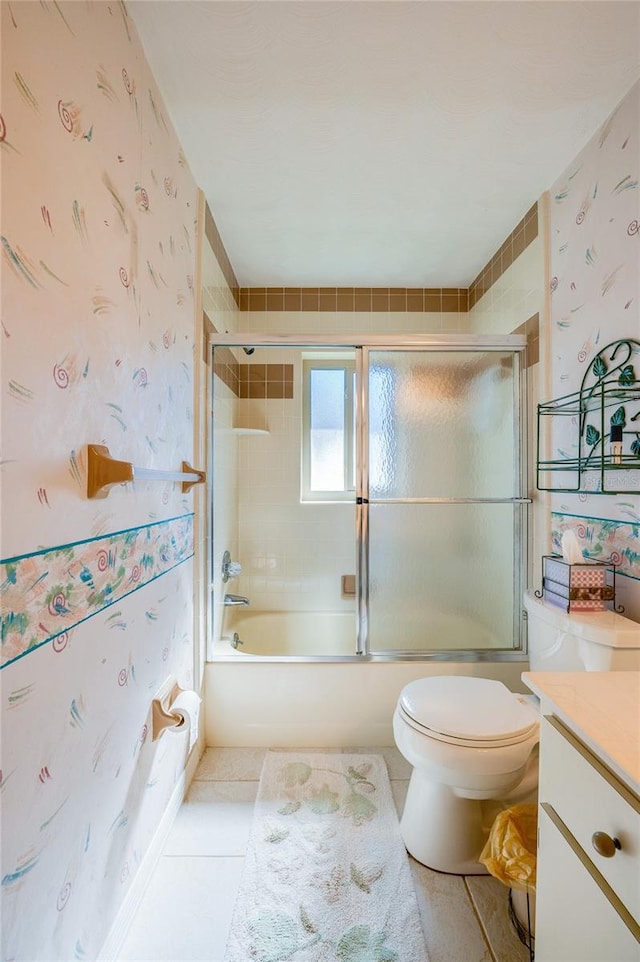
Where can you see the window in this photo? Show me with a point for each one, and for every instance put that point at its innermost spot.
(328, 430)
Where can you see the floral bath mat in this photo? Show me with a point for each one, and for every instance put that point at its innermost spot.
(326, 878)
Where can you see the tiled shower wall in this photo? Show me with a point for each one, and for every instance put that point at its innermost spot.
(293, 553)
(595, 299)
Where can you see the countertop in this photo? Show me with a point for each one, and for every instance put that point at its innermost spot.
(602, 708)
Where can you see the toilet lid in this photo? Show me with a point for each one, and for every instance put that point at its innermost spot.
(472, 710)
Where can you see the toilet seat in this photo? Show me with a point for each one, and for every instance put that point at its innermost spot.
(465, 711)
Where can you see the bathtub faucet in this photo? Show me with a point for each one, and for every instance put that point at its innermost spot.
(235, 600)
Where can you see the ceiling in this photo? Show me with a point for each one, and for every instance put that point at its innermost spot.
(381, 144)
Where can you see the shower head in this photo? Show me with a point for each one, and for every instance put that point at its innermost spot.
(248, 350)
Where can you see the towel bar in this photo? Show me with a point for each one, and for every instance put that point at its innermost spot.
(103, 471)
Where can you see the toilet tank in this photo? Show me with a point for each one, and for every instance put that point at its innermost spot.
(559, 640)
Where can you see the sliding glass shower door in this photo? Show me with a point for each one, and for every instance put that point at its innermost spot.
(422, 440)
(441, 501)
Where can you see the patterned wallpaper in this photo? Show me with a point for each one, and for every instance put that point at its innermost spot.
(98, 260)
(595, 299)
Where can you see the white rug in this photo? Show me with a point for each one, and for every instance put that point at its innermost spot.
(326, 878)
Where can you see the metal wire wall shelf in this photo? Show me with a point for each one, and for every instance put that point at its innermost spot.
(593, 430)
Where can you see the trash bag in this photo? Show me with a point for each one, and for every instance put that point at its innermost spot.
(510, 852)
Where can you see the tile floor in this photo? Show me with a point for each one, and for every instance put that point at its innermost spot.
(186, 911)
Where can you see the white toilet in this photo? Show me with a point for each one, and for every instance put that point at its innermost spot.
(473, 743)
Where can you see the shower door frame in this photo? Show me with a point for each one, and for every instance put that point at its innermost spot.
(363, 344)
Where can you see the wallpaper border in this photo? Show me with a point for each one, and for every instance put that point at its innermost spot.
(73, 582)
(602, 539)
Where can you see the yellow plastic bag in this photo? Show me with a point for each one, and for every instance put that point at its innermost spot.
(510, 852)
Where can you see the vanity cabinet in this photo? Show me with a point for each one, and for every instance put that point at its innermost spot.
(588, 888)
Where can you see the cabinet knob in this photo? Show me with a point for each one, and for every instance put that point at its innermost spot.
(605, 845)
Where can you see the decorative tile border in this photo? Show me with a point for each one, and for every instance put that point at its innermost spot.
(354, 299)
(602, 540)
(516, 242)
(45, 594)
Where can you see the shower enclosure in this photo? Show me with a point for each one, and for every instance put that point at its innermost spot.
(373, 492)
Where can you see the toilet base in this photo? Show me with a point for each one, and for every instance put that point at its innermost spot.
(443, 831)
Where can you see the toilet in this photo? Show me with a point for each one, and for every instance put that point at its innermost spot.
(473, 744)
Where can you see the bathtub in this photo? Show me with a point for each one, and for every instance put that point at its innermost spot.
(300, 634)
(296, 682)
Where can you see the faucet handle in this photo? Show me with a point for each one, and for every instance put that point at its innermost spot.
(230, 569)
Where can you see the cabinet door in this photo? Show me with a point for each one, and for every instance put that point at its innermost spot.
(588, 800)
(575, 921)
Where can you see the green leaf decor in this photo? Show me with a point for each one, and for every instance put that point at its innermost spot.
(599, 367)
(592, 435)
(618, 417)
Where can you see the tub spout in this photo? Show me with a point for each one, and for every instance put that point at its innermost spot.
(235, 600)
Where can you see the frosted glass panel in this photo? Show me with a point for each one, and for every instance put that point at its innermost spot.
(441, 425)
(327, 430)
(441, 576)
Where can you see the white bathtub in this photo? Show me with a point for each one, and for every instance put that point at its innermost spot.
(329, 634)
(296, 682)
(301, 634)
